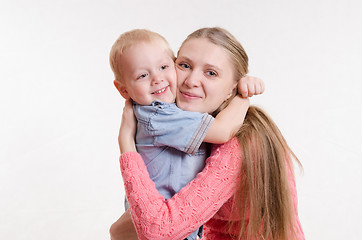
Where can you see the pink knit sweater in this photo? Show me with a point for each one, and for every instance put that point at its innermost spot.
(206, 200)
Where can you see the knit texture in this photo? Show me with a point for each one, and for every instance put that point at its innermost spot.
(206, 199)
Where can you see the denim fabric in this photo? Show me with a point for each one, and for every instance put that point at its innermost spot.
(163, 124)
(195, 234)
(164, 132)
(170, 142)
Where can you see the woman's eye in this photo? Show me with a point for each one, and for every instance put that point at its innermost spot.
(184, 65)
(142, 76)
(211, 73)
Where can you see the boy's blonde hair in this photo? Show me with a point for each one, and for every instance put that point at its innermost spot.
(128, 39)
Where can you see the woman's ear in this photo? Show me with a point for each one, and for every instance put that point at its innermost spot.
(232, 91)
(121, 89)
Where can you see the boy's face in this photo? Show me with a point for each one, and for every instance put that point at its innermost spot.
(148, 73)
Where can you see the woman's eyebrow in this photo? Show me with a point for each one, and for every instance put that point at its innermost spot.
(207, 65)
(184, 58)
(219, 70)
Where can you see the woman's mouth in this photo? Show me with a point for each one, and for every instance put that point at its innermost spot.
(189, 96)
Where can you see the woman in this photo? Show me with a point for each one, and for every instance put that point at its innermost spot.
(247, 188)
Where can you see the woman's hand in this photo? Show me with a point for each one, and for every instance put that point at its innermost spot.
(127, 131)
(249, 86)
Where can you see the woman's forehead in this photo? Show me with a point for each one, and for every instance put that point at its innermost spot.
(201, 50)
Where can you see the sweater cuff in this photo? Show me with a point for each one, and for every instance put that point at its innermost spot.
(129, 160)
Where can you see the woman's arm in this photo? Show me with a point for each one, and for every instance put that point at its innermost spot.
(123, 228)
(127, 131)
(192, 206)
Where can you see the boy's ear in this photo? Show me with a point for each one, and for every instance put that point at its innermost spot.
(121, 89)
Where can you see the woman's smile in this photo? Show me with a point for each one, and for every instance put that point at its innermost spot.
(204, 75)
(189, 96)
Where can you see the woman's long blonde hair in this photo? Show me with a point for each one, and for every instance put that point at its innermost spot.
(263, 198)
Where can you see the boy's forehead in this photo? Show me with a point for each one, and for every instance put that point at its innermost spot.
(151, 42)
(143, 54)
(156, 47)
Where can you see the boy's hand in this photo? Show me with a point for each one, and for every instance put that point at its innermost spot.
(249, 86)
(127, 131)
(123, 228)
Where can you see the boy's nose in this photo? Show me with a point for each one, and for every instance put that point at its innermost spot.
(156, 79)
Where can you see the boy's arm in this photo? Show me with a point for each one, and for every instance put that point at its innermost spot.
(228, 121)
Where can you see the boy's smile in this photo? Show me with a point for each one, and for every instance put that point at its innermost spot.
(159, 92)
(149, 73)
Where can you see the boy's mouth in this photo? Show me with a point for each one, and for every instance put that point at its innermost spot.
(161, 90)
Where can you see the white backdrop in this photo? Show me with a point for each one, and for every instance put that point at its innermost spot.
(60, 113)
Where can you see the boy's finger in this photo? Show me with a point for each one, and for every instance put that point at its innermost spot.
(262, 86)
(257, 89)
(251, 90)
(243, 88)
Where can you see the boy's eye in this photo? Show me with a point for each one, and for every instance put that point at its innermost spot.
(163, 67)
(211, 73)
(142, 76)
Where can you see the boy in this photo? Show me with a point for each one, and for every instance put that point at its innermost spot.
(169, 139)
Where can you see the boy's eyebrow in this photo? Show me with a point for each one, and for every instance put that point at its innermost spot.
(165, 59)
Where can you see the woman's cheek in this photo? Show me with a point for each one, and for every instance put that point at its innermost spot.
(180, 76)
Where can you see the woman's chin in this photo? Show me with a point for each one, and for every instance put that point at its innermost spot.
(186, 106)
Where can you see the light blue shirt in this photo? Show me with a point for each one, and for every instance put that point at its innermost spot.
(170, 142)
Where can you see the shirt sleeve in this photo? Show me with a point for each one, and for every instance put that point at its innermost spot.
(192, 206)
(182, 130)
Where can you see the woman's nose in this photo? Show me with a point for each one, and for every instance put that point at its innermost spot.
(192, 80)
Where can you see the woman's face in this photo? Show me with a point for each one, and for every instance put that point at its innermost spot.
(205, 76)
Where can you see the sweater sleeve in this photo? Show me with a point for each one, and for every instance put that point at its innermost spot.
(192, 206)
